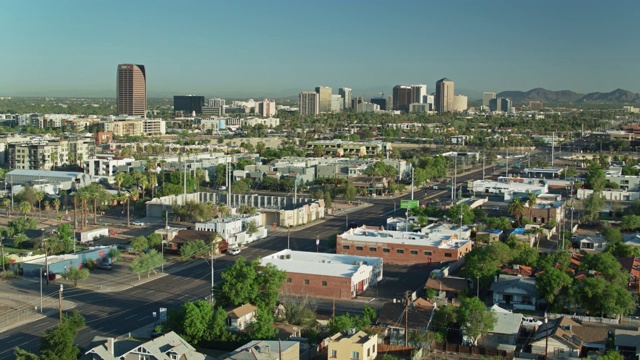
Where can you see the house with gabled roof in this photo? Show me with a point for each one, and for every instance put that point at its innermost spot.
(568, 338)
(448, 287)
(239, 318)
(168, 346)
(266, 350)
(504, 334)
(515, 292)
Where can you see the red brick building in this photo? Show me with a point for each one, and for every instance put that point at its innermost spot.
(326, 275)
(440, 245)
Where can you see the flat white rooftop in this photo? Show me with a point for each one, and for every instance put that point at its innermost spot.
(304, 262)
(440, 239)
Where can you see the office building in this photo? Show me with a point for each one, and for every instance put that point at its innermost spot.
(188, 104)
(439, 243)
(444, 99)
(382, 102)
(132, 90)
(487, 97)
(417, 108)
(431, 102)
(326, 275)
(345, 94)
(460, 103)
(215, 107)
(419, 93)
(402, 97)
(536, 105)
(309, 103)
(266, 108)
(337, 103)
(505, 104)
(324, 99)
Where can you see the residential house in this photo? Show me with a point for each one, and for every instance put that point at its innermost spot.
(515, 292)
(504, 334)
(447, 287)
(627, 343)
(518, 270)
(489, 236)
(392, 318)
(239, 318)
(167, 346)
(589, 242)
(266, 350)
(527, 237)
(352, 345)
(567, 338)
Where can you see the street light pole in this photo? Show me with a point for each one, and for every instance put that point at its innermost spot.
(40, 290)
(60, 302)
(2, 259)
(289, 238)
(213, 272)
(162, 249)
(318, 244)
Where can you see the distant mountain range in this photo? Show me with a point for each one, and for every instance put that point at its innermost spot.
(618, 96)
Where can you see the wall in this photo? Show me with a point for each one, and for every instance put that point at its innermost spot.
(407, 258)
(337, 287)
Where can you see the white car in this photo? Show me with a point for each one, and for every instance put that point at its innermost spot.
(234, 251)
(138, 223)
(529, 322)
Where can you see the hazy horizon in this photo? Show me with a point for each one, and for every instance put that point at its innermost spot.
(245, 49)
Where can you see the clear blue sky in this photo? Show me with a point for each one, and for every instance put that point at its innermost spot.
(253, 48)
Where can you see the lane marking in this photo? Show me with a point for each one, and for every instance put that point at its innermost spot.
(129, 317)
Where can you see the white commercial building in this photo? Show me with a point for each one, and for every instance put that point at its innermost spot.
(326, 275)
(105, 164)
(509, 188)
(234, 229)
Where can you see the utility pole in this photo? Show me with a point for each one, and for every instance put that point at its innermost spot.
(289, 238)
(553, 146)
(455, 175)
(483, 158)
(546, 335)
(4, 277)
(506, 169)
(184, 183)
(60, 302)
(412, 173)
(213, 272)
(46, 258)
(406, 318)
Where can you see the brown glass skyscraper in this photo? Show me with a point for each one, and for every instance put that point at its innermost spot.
(132, 90)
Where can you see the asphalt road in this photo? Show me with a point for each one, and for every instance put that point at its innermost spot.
(118, 313)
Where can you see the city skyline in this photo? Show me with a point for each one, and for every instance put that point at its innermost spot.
(70, 48)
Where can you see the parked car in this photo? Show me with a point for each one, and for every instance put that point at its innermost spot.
(104, 266)
(496, 208)
(234, 251)
(529, 322)
(138, 223)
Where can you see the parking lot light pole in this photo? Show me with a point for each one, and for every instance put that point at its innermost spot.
(162, 250)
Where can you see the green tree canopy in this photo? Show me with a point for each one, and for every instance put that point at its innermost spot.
(475, 320)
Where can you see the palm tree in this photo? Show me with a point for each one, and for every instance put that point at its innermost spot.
(119, 178)
(84, 195)
(144, 181)
(532, 200)
(56, 204)
(47, 207)
(39, 195)
(153, 182)
(516, 208)
(6, 202)
(163, 164)
(25, 208)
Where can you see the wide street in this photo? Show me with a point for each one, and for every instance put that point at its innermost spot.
(117, 313)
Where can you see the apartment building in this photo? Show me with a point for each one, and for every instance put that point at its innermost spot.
(43, 153)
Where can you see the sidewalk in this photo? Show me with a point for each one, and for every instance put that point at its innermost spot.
(17, 310)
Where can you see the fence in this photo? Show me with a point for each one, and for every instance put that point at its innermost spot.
(581, 318)
(471, 350)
